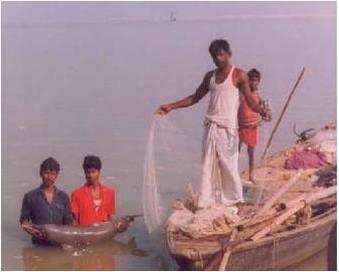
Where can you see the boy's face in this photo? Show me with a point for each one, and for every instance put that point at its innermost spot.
(221, 58)
(49, 177)
(92, 175)
(254, 83)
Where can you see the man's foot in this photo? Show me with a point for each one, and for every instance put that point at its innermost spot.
(247, 184)
(251, 179)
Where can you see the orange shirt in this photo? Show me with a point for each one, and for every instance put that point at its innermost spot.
(246, 116)
(83, 207)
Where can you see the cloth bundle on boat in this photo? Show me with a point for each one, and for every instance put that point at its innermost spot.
(325, 141)
(213, 220)
(319, 151)
(306, 159)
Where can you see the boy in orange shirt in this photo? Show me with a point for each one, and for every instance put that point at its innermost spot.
(93, 202)
(250, 120)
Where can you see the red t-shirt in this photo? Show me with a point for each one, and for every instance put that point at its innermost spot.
(83, 207)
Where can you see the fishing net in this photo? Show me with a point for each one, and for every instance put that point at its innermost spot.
(151, 204)
(171, 163)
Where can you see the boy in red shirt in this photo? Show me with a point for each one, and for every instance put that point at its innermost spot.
(249, 120)
(93, 202)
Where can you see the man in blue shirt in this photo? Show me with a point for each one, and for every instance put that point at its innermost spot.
(46, 204)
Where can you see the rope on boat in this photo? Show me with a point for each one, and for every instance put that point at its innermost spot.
(201, 261)
(275, 253)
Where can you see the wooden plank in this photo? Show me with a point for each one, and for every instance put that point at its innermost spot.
(277, 195)
(280, 219)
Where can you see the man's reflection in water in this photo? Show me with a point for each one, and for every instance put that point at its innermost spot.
(93, 262)
(45, 258)
(98, 257)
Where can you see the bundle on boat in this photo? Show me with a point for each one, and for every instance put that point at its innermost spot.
(292, 222)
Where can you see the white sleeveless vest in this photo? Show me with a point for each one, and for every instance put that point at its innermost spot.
(224, 102)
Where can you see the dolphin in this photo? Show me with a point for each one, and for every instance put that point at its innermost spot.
(69, 236)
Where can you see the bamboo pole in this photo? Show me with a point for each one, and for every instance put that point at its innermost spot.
(280, 219)
(214, 262)
(277, 195)
(228, 252)
(282, 114)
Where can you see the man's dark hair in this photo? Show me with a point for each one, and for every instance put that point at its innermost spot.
(254, 73)
(50, 164)
(91, 161)
(219, 44)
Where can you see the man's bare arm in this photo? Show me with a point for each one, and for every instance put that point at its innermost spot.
(75, 221)
(30, 229)
(245, 90)
(201, 91)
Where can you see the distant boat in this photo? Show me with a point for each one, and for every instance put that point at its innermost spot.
(172, 17)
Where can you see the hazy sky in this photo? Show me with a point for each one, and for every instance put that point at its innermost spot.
(78, 12)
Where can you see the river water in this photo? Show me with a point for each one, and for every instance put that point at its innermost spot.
(71, 89)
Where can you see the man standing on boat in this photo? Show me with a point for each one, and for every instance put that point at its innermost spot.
(220, 144)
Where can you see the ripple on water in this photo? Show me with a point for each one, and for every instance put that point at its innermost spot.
(110, 178)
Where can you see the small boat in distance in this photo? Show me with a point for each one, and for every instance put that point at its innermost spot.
(172, 17)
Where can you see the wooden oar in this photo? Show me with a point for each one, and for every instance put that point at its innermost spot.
(269, 142)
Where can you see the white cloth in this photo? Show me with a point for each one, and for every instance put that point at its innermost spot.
(220, 181)
(213, 220)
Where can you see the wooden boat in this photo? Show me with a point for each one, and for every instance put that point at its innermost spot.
(287, 245)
